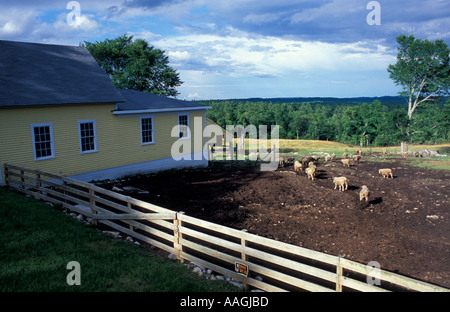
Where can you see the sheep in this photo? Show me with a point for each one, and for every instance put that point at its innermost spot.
(342, 182)
(316, 158)
(327, 158)
(346, 162)
(386, 173)
(356, 158)
(364, 193)
(333, 156)
(385, 151)
(281, 162)
(311, 163)
(306, 160)
(310, 172)
(345, 155)
(298, 166)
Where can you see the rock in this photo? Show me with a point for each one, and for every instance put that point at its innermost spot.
(80, 217)
(115, 234)
(237, 284)
(433, 217)
(198, 271)
(172, 257)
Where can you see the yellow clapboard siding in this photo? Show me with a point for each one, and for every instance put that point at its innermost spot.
(118, 139)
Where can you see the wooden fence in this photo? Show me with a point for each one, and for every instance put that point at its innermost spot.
(253, 260)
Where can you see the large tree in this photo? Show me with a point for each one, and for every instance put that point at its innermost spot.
(422, 70)
(136, 65)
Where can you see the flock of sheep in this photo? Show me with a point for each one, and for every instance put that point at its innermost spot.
(307, 163)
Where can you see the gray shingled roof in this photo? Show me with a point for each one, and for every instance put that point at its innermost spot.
(33, 74)
(143, 101)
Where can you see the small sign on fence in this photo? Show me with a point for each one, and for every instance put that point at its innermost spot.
(241, 268)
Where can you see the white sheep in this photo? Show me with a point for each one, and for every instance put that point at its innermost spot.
(342, 182)
(310, 172)
(386, 173)
(364, 193)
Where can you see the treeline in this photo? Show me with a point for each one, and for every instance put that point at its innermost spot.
(346, 121)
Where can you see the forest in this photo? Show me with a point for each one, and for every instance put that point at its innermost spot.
(381, 121)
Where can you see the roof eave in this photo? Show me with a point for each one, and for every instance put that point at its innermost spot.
(160, 110)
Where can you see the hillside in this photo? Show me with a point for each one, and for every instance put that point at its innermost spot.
(391, 101)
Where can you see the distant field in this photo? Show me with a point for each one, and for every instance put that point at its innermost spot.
(299, 148)
(311, 146)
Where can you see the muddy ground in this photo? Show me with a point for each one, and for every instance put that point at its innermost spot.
(404, 226)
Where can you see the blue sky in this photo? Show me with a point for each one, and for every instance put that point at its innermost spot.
(247, 48)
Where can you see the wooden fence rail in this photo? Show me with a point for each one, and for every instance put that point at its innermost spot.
(253, 260)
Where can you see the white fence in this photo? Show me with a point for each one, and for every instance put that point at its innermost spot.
(255, 261)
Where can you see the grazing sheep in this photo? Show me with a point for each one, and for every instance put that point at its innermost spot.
(306, 160)
(311, 172)
(386, 173)
(346, 162)
(316, 158)
(405, 154)
(311, 163)
(345, 155)
(298, 166)
(327, 158)
(364, 193)
(356, 158)
(333, 156)
(342, 182)
(281, 163)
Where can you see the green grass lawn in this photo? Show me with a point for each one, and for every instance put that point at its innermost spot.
(38, 241)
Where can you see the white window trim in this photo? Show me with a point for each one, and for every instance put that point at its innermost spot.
(153, 129)
(188, 127)
(95, 136)
(52, 141)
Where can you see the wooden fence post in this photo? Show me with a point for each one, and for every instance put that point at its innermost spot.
(6, 175)
(92, 204)
(22, 173)
(339, 273)
(177, 244)
(243, 254)
(131, 227)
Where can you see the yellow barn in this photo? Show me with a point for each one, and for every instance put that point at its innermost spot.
(59, 112)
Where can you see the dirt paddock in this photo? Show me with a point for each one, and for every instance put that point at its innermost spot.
(404, 226)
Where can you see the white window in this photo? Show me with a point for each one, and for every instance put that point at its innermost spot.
(183, 126)
(147, 133)
(43, 142)
(88, 136)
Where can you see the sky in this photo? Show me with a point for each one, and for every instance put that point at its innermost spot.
(229, 49)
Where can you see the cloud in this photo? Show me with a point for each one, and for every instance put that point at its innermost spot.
(15, 22)
(237, 64)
